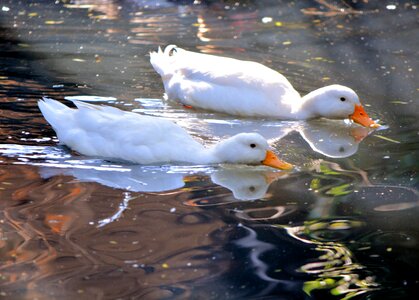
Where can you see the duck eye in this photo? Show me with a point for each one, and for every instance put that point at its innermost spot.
(252, 145)
(342, 99)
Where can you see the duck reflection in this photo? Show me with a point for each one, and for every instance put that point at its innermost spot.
(129, 178)
(246, 183)
(333, 139)
(330, 138)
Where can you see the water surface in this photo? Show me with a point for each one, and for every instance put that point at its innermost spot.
(342, 225)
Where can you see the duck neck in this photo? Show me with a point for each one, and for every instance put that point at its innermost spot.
(210, 155)
(309, 107)
(203, 156)
(218, 153)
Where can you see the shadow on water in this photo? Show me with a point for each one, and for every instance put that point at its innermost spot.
(342, 225)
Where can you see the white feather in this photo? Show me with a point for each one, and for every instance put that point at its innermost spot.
(111, 133)
(244, 88)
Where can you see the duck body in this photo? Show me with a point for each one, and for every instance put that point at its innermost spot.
(246, 88)
(108, 132)
(111, 133)
(224, 84)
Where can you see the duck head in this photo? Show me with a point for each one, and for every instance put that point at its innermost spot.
(248, 148)
(338, 102)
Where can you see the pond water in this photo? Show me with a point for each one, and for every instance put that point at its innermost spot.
(342, 225)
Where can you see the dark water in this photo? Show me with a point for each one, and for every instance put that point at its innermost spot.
(343, 225)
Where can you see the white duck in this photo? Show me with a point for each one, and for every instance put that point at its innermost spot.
(249, 88)
(111, 133)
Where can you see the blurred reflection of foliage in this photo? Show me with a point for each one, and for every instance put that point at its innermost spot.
(331, 180)
(336, 269)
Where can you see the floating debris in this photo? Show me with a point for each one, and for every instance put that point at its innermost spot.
(399, 102)
(165, 266)
(52, 22)
(386, 139)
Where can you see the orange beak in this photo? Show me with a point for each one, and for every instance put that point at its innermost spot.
(273, 161)
(360, 116)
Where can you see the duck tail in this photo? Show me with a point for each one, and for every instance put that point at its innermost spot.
(162, 60)
(54, 112)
